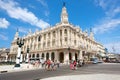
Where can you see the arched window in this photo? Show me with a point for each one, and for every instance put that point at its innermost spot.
(52, 56)
(49, 35)
(47, 56)
(42, 55)
(37, 56)
(65, 32)
(53, 33)
(29, 56)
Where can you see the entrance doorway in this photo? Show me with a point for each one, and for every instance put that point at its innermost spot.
(52, 56)
(47, 56)
(42, 55)
(76, 56)
(70, 56)
(61, 57)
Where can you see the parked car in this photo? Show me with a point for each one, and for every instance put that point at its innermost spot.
(94, 60)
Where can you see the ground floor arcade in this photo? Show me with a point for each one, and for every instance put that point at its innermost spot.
(61, 55)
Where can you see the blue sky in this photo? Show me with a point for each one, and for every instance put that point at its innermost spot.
(103, 16)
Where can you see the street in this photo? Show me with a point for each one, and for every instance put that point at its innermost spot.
(105, 68)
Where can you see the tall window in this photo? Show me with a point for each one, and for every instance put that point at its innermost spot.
(48, 35)
(54, 34)
(42, 55)
(60, 32)
(39, 38)
(65, 32)
(33, 56)
(44, 36)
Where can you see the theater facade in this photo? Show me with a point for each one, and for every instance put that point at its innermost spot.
(63, 42)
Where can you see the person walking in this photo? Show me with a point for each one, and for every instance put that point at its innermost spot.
(75, 64)
(42, 62)
(53, 65)
(48, 64)
(71, 65)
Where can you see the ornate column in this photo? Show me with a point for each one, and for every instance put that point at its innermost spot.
(36, 42)
(56, 56)
(80, 55)
(66, 57)
(58, 37)
(73, 56)
(72, 38)
(44, 56)
(63, 37)
(68, 37)
(50, 55)
(51, 39)
(42, 37)
(46, 39)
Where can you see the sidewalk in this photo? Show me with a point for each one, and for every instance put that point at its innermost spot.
(11, 68)
(86, 77)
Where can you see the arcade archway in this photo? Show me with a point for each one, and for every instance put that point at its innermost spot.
(47, 56)
(61, 57)
(52, 56)
(76, 56)
(70, 56)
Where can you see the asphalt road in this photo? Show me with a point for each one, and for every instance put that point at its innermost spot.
(110, 68)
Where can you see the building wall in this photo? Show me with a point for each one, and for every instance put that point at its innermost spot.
(58, 39)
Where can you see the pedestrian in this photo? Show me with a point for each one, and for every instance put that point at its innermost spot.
(53, 65)
(83, 63)
(71, 65)
(58, 64)
(42, 62)
(75, 64)
(48, 64)
(45, 64)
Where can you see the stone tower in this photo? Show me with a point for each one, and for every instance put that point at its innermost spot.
(64, 15)
(91, 34)
(16, 35)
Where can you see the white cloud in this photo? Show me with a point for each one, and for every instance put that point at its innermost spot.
(110, 7)
(47, 13)
(15, 11)
(113, 47)
(23, 30)
(106, 25)
(4, 23)
(45, 5)
(3, 37)
(100, 3)
(109, 22)
(113, 12)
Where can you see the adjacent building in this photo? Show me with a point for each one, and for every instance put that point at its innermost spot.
(4, 54)
(63, 42)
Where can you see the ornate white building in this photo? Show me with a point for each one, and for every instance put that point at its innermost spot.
(62, 42)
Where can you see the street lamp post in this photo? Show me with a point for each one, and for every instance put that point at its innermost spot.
(20, 43)
(21, 57)
(27, 57)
